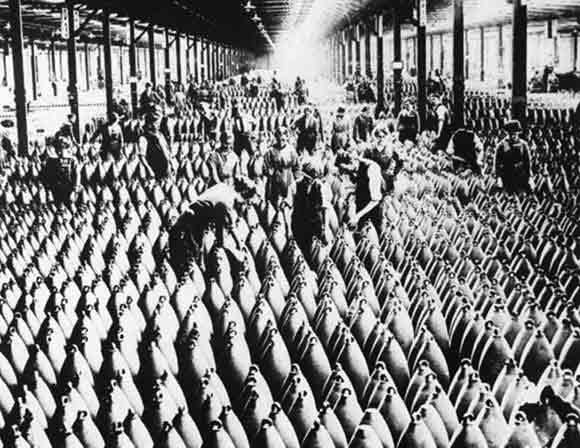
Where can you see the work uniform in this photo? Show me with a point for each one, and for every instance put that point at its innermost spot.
(280, 165)
(370, 187)
(157, 153)
(311, 203)
(408, 126)
(213, 210)
(60, 175)
(512, 165)
(465, 148)
(444, 136)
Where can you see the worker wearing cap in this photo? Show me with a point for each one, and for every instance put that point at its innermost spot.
(216, 209)
(111, 135)
(340, 135)
(513, 168)
(408, 123)
(61, 174)
(363, 126)
(307, 126)
(155, 145)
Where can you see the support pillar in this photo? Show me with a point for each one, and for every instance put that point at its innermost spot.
(195, 59)
(500, 51)
(15, 11)
(368, 32)
(357, 30)
(152, 69)
(133, 67)
(33, 69)
(73, 93)
(5, 50)
(167, 64)
(380, 65)
(575, 51)
(431, 52)
(422, 68)
(397, 63)
(458, 63)
(178, 57)
(187, 57)
(482, 53)
(350, 65)
(108, 61)
(121, 66)
(442, 54)
(519, 63)
(87, 67)
(343, 56)
(52, 58)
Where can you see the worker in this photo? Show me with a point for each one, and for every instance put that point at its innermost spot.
(242, 126)
(280, 165)
(363, 126)
(307, 126)
(408, 123)
(224, 163)
(340, 135)
(443, 132)
(154, 144)
(61, 174)
(111, 135)
(466, 151)
(216, 209)
(512, 166)
(373, 180)
(312, 202)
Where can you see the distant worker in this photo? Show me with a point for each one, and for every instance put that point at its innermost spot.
(466, 151)
(61, 173)
(512, 161)
(363, 126)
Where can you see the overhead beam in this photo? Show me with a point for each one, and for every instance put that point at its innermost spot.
(18, 67)
(92, 16)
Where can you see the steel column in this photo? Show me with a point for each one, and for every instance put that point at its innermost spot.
(519, 63)
(368, 32)
(482, 53)
(458, 63)
(167, 64)
(343, 56)
(87, 67)
(358, 49)
(178, 57)
(33, 70)
(422, 70)
(442, 54)
(152, 69)
(15, 11)
(121, 66)
(195, 59)
(133, 67)
(187, 57)
(397, 63)
(575, 51)
(52, 53)
(380, 65)
(108, 61)
(73, 93)
(350, 53)
(500, 51)
(5, 50)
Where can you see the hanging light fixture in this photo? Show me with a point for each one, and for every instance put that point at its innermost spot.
(256, 18)
(249, 7)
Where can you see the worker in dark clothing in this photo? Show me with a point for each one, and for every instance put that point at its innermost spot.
(512, 161)
(307, 126)
(112, 139)
(466, 151)
(242, 127)
(311, 203)
(374, 180)
(67, 130)
(157, 151)
(443, 133)
(363, 126)
(61, 173)
(215, 209)
(148, 99)
(408, 123)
